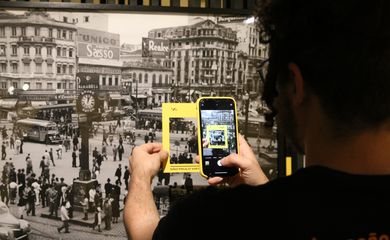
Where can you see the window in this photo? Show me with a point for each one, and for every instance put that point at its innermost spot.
(58, 85)
(58, 33)
(140, 77)
(37, 31)
(64, 52)
(39, 85)
(70, 35)
(3, 67)
(14, 67)
(49, 69)
(38, 67)
(86, 18)
(50, 32)
(109, 81)
(71, 86)
(38, 50)
(64, 69)
(64, 34)
(58, 52)
(2, 32)
(64, 85)
(49, 51)
(160, 79)
(49, 85)
(70, 69)
(4, 85)
(65, 19)
(116, 81)
(26, 67)
(70, 52)
(166, 79)
(146, 78)
(14, 50)
(13, 31)
(154, 78)
(23, 31)
(26, 50)
(104, 81)
(15, 85)
(58, 69)
(2, 50)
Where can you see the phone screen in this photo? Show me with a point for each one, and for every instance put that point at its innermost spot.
(219, 134)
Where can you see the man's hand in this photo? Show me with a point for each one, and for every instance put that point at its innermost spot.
(250, 171)
(146, 160)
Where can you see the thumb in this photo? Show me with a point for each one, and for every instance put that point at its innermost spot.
(230, 161)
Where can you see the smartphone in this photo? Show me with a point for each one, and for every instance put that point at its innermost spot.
(217, 134)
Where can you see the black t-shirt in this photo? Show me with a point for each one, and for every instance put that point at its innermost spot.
(314, 203)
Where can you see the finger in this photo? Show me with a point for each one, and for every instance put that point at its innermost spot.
(215, 181)
(151, 147)
(244, 146)
(197, 158)
(231, 161)
(163, 155)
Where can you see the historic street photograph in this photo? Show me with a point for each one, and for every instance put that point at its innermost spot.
(79, 90)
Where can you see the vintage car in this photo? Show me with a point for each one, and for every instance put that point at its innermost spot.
(11, 227)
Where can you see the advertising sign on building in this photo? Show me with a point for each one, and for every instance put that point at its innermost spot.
(98, 45)
(87, 80)
(158, 48)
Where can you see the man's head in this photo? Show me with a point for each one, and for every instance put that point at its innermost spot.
(333, 52)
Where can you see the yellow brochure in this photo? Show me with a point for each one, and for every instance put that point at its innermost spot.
(180, 136)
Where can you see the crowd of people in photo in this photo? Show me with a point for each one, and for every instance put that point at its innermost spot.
(34, 186)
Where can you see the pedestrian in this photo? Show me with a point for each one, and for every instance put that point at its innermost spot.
(84, 203)
(59, 152)
(121, 150)
(75, 142)
(115, 203)
(31, 198)
(107, 206)
(126, 176)
(51, 156)
(21, 145)
(12, 142)
(118, 174)
(188, 184)
(98, 219)
(17, 146)
(4, 192)
(104, 151)
(64, 218)
(92, 193)
(3, 151)
(114, 152)
(22, 205)
(29, 165)
(108, 188)
(74, 157)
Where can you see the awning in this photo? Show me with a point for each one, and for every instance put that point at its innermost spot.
(115, 96)
(38, 103)
(139, 96)
(8, 103)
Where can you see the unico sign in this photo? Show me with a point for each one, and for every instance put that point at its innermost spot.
(98, 45)
(155, 47)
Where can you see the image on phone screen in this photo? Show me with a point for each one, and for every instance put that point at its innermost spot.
(218, 130)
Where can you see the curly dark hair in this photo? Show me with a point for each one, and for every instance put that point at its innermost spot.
(343, 50)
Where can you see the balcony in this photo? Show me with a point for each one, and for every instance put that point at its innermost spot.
(36, 39)
(161, 85)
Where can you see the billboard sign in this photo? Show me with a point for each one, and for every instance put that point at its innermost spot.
(98, 45)
(158, 48)
(87, 80)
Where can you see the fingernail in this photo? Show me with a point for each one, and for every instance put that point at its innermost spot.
(219, 163)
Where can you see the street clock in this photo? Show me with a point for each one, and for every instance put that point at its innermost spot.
(87, 101)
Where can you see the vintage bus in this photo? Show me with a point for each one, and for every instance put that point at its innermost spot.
(59, 113)
(39, 130)
(256, 127)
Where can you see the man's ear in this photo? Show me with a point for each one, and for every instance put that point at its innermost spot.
(296, 78)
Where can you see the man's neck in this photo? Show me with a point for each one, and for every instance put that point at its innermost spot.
(366, 153)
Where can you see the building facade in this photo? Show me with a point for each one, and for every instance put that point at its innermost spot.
(202, 57)
(150, 83)
(250, 52)
(39, 52)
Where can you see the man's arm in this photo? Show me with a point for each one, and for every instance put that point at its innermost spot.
(140, 214)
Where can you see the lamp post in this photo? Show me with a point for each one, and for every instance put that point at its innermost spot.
(245, 98)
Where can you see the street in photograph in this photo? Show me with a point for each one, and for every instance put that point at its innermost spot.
(79, 90)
